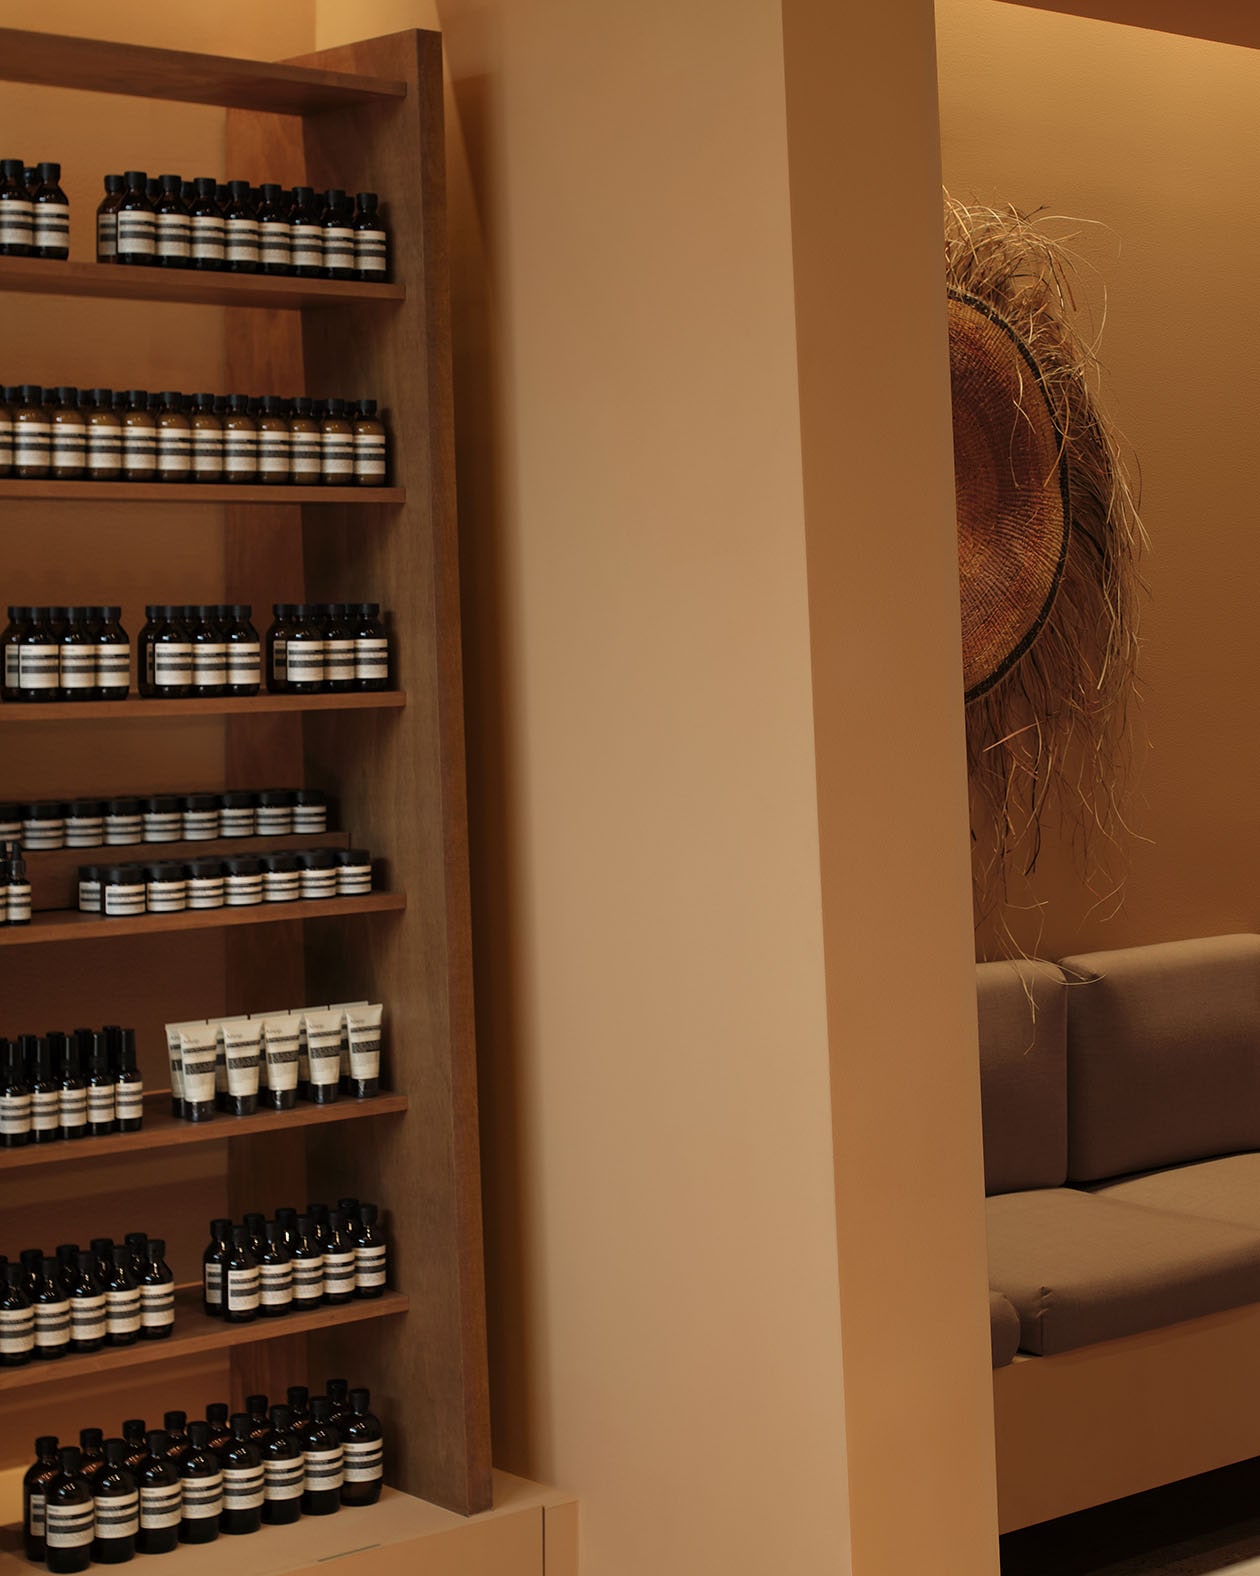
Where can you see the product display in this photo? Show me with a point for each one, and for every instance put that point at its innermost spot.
(34, 213)
(326, 647)
(239, 881)
(69, 1086)
(266, 1268)
(132, 435)
(273, 1059)
(15, 889)
(78, 1300)
(151, 1489)
(204, 224)
(65, 653)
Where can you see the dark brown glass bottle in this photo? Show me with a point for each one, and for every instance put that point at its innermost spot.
(201, 1479)
(51, 215)
(117, 1505)
(306, 235)
(242, 1479)
(321, 1444)
(299, 1401)
(137, 240)
(69, 1517)
(337, 224)
(136, 1437)
(43, 1471)
(217, 1423)
(284, 1470)
(91, 1451)
(157, 1478)
(259, 1418)
(87, 1307)
(363, 1444)
(107, 219)
(338, 1393)
(172, 226)
(371, 244)
(17, 223)
(175, 1424)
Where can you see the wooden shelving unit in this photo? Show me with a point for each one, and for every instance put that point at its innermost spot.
(161, 1130)
(368, 116)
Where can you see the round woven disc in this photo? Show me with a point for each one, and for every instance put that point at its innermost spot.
(1014, 518)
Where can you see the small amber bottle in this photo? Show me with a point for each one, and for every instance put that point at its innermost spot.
(305, 444)
(369, 445)
(139, 438)
(51, 213)
(205, 225)
(337, 225)
(174, 439)
(32, 434)
(240, 441)
(306, 236)
(172, 226)
(273, 440)
(7, 395)
(17, 222)
(240, 230)
(136, 225)
(69, 435)
(207, 440)
(274, 249)
(336, 445)
(103, 431)
(371, 244)
(107, 219)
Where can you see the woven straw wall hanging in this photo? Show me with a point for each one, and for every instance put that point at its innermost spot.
(1048, 548)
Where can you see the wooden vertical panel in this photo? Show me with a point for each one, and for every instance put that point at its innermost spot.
(401, 782)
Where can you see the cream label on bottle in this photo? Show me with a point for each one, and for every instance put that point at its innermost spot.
(17, 223)
(113, 666)
(160, 1506)
(353, 880)
(276, 1285)
(284, 1479)
(128, 1102)
(203, 1497)
(273, 243)
(52, 1325)
(273, 452)
(37, 1502)
(45, 1110)
(32, 442)
(371, 658)
(364, 1460)
(338, 246)
(122, 1311)
(12, 666)
(18, 906)
(240, 450)
(69, 1526)
(212, 1280)
(369, 251)
(244, 662)
(242, 1488)
(305, 454)
(118, 1516)
(210, 662)
(172, 662)
(100, 1103)
(304, 661)
(17, 1331)
(69, 445)
(87, 1318)
(174, 234)
(207, 237)
(78, 667)
(337, 453)
(174, 451)
(137, 232)
(242, 1290)
(241, 240)
(338, 1272)
(307, 246)
(157, 1306)
(106, 237)
(104, 449)
(369, 1265)
(323, 1470)
(122, 901)
(15, 1113)
(308, 1279)
(339, 658)
(369, 455)
(207, 449)
(72, 1104)
(39, 668)
(52, 223)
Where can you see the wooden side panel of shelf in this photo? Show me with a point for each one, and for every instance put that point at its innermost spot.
(402, 782)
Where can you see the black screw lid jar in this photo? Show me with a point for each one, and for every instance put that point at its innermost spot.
(274, 814)
(319, 872)
(122, 891)
(242, 881)
(123, 821)
(310, 810)
(163, 819)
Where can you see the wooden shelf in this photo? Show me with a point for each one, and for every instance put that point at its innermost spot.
(53, 874)
(118, 282)
(96, 66)
(195, 1333)
(46, 490)
(161, 1130)
(138, 709)
(63, 925)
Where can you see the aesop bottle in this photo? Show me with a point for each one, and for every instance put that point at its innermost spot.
(240, 227)
(242, 1479)
(273, 440)
(157, 1293)
(339, 651)
(70, 1517)
(240, 441)
(217, 1423)
(51, 215)
(174, 439)
(91, 1449)
(157, 1478)
(336, 436)
(305, 444)
(117, 1505)
(17, 1319)
(139, 438)
(259, 1418)
(100, 1083)
(129, 1088)
(172, 226)
(321, 1495)
(68, 458)
(369, 445)
(240, 1280)
(136, 1437)
(299, 1399)
(284, 1470)
(371, 648)
(72, 1097)
(308, 1268)
(136, 227)
(107, 219)
(78, 657)
(43, 1471)
(122, 1300)
(336, 223)
(244, 650)
(275, 1267)
(175, 1422)
(338, 1260)
(51, 1308)
(17, 223)
(207, 441)
(338, 1393)
(370, 1252)
(306, 235)
(209, 652)
(103, 436)
(205, 223)
(45, 1094)
(362, 1442)
(202, 1481)
(32, 434)
(371, 244)
(87, 1307)
(15, 1097)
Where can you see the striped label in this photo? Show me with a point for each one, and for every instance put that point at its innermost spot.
(371, 657)
(35, 1514)
(15, 1113)
(353, 880)
(203, 1497)
(244, 662)
(174, 234)
(106, 237)
(242, 1290)
(172, 662)
(137, 233)
(308, 1277)
(100, 1103)
(69, 443)
(160, 1506)
(122, 901)
(45, 1110)
(280, 886)
(370, 251)
(273, 452)
(87, 1318)
(284, 1479)
(117, 1515)
(305, 453)
(113, 663)
(339, 658)
(319, 884)
(17, 1330)
(369, 1265)
(104, 448)
(73, 1107)
(122, 1311)
(242, 240)
(323, 1470)
(210, 661)
(69, 1526)
(129, 1101)
(338, 246)
(305, 663)
(207, 448)
(207, 237)
(17, 224)
(338, 1267)
(364, 1460)
(78, 667)
(52, 1325)
(52, 223)
(242, 1488)
(276, 1285)
(273, 241)
(307, 245)
(122, 828)
(157, 1305)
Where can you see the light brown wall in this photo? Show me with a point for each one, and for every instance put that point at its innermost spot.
(1150, 141)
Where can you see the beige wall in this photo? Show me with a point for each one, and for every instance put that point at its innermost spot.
(1150, 139)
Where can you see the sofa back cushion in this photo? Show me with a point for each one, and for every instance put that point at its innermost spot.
(1023, 1074)
(1163, 1055)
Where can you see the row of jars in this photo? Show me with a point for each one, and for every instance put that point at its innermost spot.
(34, 213)
(234, 227)
(47, 824)
(136, 436)
(241, 881)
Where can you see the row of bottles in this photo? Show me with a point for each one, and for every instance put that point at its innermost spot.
(69, 1086)
(65, 653)
(34, 213)
(323, 647)
(170, 886)
(78, 1300)
(274, 1059)
(294, 1263)
(45, 824)
(132, 435)
(104, 1500)
(233, 227)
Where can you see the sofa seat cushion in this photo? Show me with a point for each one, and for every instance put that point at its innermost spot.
(1003, 1329)
(1081, 1268)
(1226, 1189)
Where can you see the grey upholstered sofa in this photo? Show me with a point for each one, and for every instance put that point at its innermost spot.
(1121, 1105)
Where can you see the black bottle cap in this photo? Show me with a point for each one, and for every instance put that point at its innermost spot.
(171, 183)
(301, 194)
(49, 173)
(71, 1460)
(278, 863)
(237, 801)
(115, 1452)
(110, 612)
(198, 1434)
(32, 1260)
(165, 870)
(205, 185)
(365, 407)
(86, 1261)
(133, 1429)
(256, 1405)
(240, 1236)
(138, 396)
(66, 394)
(360, 1400)
(12, 167)
(136, 178)
(238, 402)
(304, 1225)
(15, 1275)
(320, 858)
(156, 1249)
(48, 1267)
(277, 796)
(172, 399)
(204, 402)
(103, 1247)
(354, 856)
(303, 405)
(47, 1445)
(158, 1441)
(334, 197)
(217, 1412)
(366, 201)
(238, 189)
(220, 1230)
(91, 1438)
(200, 801)
(114, 184)
(204, 869)
(298, 1396)
(127, 1051)
(321, 1409)
(84, 809)
(337, 1389)
(241, 1425)
(281, 1417)
(368, 1214)
(161, 804)
(243, 865)
(31, 393)
(175, 1421)
(123, 806)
